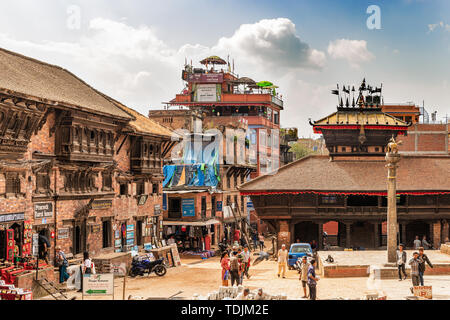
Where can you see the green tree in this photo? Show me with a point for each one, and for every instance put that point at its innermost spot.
(300, 150)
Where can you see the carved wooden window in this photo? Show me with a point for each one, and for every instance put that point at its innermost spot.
(155, 188)
(140, 188)
(107, 181)
(12, 184)
(42, 182)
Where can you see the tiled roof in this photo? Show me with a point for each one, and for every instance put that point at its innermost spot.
(39, 80)
(144, 124)
(318, 173)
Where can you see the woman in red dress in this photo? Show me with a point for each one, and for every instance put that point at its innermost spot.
(225, 263)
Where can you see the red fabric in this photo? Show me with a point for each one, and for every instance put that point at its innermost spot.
(414, 193)
(207, 243)
(237, 235)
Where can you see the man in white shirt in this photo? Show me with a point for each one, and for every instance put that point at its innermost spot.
(243, 295)
(282, 260)
(247, 258)
(417, 243)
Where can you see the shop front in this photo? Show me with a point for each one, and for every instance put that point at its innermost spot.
(191, 237)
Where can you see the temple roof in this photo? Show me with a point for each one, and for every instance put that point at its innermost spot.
(34, 79)
(359, 117)
(316, 173)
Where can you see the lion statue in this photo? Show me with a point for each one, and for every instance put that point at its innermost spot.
(393, 145)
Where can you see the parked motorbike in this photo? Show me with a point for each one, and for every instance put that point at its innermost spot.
(140, 265)
(223, 247)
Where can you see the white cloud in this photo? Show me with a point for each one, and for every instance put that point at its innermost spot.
(441, 24)
(354, 51)
(273, 42)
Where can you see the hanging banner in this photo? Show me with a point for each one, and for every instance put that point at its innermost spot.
(207, 93)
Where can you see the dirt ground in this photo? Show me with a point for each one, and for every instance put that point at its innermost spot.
(203, 276)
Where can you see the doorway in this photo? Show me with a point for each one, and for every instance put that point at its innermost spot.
(139, 232)
(79, 237)
(174, 208)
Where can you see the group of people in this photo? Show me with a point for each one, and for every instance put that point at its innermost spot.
(307, 272)
(424, 243)
(235, 265)
(417, 263)
(61, 261)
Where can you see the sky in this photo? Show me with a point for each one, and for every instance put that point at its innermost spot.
(134, 50)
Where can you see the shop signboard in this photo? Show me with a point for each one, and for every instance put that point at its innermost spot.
(98, 284)
(205, 77)
(63, 233)
(101, 204)
(188, 207)
(207, 93)
(423, 291)
(9, 217)
(157, 209)
(43, 210)
(96, 228)
(164, 201)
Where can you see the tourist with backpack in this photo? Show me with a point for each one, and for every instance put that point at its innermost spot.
(62, 263)
(234, 267)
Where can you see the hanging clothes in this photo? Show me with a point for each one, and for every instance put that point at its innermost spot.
(168, 171)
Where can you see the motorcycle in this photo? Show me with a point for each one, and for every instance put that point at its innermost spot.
(140, 265)
(223, 247)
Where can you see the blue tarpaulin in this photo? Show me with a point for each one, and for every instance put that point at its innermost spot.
(202, 175)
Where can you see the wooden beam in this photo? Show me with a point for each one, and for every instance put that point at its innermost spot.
(121, 144)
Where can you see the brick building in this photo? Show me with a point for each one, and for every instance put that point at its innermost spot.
(75, 165)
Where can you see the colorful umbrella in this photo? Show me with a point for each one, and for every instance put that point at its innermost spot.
(264, 84)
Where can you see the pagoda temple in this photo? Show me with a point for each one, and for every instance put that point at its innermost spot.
(348, 188)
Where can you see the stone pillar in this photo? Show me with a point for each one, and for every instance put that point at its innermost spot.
(348, 238)
(284, 235)
(376, 235)
(436, 237)
(392, 158)
(320, 244)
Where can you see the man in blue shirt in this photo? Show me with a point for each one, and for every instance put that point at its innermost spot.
(312, 280)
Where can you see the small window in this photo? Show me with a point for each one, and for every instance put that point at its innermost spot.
(155, 188)
(377, 149)
(124, 189)
(344, 149)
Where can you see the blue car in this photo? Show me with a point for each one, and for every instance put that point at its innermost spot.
(298, 250)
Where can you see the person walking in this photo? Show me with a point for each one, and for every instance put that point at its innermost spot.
(401, 262)
(240, 256)
(261, 242)
(247, 259)
(422, 266)
(225, 264)
(282, 260)
(417, 243)
(62, 263)
(304, 266)
(44, 244)
(234, 269)
(312, 280)
(414, 263)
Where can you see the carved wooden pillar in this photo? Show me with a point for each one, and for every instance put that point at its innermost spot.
(403, 236)
(348, 238)
(376, 235)
(320, 244)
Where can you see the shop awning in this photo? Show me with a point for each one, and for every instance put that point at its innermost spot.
(191, 223)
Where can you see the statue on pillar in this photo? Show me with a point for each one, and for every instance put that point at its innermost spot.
(392, 159)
